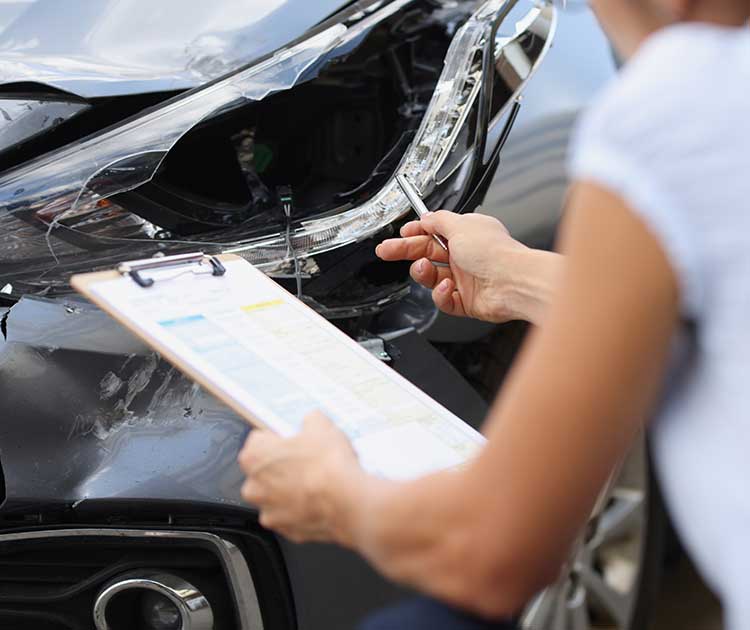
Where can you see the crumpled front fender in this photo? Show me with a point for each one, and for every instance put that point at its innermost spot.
(89, 412)
(90, 418)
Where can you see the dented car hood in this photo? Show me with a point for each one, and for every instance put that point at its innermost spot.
(96, 48)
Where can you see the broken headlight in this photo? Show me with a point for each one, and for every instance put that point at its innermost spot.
(408, 86)
(23, 118)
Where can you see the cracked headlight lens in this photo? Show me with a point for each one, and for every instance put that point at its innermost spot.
(22, 118)
(60, 213)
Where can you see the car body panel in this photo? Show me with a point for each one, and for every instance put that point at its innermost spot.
(113, 420)
(99, 48)
(92, 416)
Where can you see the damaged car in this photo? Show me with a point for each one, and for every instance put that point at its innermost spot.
(273, 130)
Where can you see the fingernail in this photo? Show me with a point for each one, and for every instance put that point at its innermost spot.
(377, 250)
(444, 286)
(420, 266)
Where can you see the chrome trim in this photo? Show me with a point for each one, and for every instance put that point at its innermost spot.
(514, 65)
(240, 580)
(195, 611)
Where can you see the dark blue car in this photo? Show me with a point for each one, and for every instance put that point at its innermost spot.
(272, 129)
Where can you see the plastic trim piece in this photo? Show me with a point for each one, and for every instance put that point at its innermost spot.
(235, 567)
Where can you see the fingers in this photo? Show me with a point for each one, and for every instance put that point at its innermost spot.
(417, 241)
(260, 441)
(317, 421)
(266, 520)
(416, 238)
(257, 450)
(427, 274)
(442, 222)
(411, 248)
(254, 492)
(413, 228)
(448, 299)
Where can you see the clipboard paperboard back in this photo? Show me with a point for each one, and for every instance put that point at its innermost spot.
(273, 360)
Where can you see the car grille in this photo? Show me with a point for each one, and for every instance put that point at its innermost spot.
(50, 580)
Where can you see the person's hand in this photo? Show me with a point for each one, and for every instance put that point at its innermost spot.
(302, 485)
(486, 274)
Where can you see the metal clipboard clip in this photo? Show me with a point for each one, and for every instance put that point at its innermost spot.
(135, 267)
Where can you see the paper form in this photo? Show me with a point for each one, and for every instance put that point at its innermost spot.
(273, 356)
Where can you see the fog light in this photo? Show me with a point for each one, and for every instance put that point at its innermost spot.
(159, 613)
(152, 600)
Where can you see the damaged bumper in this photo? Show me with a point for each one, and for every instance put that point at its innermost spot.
(99, 432)
(113, 420)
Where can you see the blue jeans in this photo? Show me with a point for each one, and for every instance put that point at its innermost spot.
(428, 614)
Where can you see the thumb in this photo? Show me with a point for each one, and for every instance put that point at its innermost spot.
(316, 421)
(442, 222)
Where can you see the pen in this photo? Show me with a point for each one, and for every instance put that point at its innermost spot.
(416, 202)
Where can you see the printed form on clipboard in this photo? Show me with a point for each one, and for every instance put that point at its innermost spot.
(273, 360)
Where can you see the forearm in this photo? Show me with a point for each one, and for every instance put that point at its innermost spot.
(536, 276)
(429, 534)
(391, 522)
(488, 536)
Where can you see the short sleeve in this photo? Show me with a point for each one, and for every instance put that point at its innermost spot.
(633, 143)
(613, 167)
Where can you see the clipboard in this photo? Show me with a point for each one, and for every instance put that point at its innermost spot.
(273, 360)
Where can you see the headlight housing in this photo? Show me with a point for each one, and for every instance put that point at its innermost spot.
(23, 118)
(61, 213)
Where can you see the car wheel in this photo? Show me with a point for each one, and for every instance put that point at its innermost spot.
(614, 571)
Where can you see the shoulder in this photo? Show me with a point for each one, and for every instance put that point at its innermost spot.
(677, 75)
(671, 113)
(669, 138)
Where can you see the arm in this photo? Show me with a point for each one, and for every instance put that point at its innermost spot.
(489, 536)
(578, 396)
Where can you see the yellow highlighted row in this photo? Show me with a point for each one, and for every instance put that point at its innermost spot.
(261, 305)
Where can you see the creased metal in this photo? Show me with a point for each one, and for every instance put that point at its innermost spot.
(96, 48)
(87, 412)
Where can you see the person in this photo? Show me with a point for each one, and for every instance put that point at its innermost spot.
(644, 318)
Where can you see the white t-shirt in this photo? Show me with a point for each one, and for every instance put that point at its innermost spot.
(671, 136)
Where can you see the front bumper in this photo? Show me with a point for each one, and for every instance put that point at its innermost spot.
(98, 433)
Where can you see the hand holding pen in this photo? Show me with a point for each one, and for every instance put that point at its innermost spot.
(415, 199)
(486, 274)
